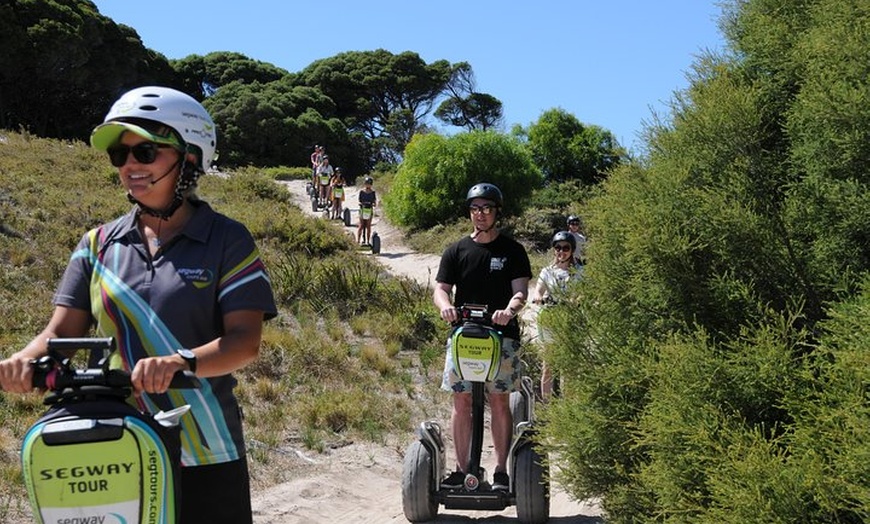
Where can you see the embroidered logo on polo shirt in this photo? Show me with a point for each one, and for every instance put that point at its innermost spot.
(200, 278)
(497, 263)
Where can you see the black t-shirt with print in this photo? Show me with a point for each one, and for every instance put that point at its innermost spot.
(482, 273)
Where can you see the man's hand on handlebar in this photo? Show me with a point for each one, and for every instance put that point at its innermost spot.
(502, 316)
(450, 314)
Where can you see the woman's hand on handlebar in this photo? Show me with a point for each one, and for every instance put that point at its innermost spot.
(16, 374)
(153, 374)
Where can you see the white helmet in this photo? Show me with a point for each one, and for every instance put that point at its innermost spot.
(164, 105)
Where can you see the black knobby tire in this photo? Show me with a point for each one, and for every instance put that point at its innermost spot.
(314, 204)
(418, 485)
(519, 409)
(345, 216)
(532, 486)
(376, 243)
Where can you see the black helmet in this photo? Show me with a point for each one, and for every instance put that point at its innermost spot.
(572, 219)
(368, 180)
(486, 191)
(564, 236)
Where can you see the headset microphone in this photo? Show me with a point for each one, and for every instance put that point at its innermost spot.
(166, 174)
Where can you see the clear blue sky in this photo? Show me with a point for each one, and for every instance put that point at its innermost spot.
(609, 63)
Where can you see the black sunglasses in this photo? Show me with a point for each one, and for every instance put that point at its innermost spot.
(481, 209)
(562, 247)
(144, 153)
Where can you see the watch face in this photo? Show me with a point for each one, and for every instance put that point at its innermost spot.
(189, 357)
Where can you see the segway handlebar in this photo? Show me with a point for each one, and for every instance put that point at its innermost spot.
(54, 371)
(475, 313)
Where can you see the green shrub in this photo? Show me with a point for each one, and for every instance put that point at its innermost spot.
(715, 354)
(537, 225)
(431, 183)
(830, 446)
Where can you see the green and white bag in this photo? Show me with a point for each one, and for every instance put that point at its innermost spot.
(101, 461)
(476, 352)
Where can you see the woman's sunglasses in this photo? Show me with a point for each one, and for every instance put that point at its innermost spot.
(562, 247)
(144, 153)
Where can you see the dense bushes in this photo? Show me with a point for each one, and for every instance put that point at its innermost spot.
(715, 356)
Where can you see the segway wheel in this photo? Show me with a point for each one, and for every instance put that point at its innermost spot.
(418, 484)
(519, 407)
(314, 204)
(376, 243)
(345, 216)
(532, 486)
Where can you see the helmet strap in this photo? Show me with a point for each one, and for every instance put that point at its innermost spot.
(478, 231)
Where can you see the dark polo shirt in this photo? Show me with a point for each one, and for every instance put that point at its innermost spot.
(152, 306)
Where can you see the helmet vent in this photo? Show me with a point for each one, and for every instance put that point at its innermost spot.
(148, 108)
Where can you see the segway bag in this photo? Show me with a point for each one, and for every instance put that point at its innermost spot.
(101, 461)
(476, 352)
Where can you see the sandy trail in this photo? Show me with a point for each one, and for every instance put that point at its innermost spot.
(361, 482)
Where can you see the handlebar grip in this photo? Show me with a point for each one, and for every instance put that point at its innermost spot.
(184, 380)
(39, 378)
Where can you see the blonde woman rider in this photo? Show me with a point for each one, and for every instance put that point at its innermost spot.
(550, 288)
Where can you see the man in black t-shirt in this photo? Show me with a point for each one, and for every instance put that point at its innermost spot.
(490, 269)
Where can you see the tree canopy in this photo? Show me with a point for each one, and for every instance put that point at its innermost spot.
(464, 106)
(567, 149)
(203, 75)
(63, 64)
(383, 96)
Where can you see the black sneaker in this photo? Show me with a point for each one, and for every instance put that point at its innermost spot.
(455, 481)
(500, 481)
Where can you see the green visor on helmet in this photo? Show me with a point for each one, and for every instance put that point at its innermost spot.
(109, 133)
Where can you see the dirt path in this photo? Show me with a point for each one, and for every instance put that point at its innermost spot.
(360, 482)
(398, 258)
